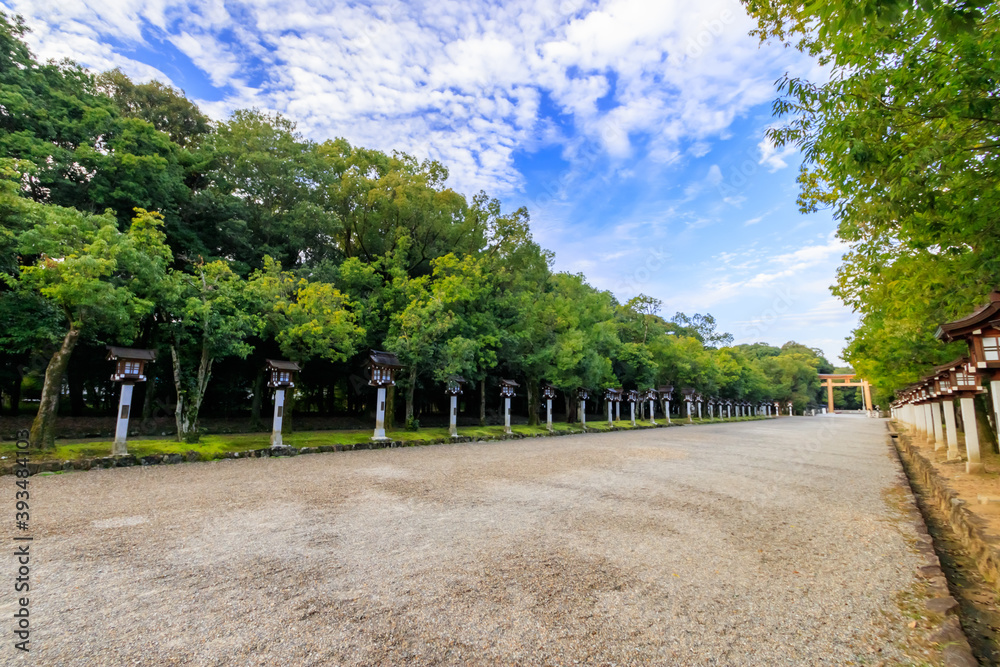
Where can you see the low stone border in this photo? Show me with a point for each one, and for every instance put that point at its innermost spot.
(969, 528)
(191, 456)
(941, 606)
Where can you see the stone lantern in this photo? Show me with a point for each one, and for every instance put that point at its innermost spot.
(453, 391)
(965, 386)
(728, 403)
(611, 396)
(507, 388)
(548, 393)
(383, 367)
(981, 332)
(791, 408)
(666, 393)
(281, 376)
(583, 394)
(711, 407)
(651, 397)
(130, 368)
(942, 391)
(688, 401)
(632, 396)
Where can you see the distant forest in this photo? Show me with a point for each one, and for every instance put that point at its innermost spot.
(128, 217)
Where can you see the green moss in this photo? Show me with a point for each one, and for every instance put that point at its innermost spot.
(217, 446)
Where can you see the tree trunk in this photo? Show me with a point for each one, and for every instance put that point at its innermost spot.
(189, 401)
(43, 429)
(390, 407)
(532, 402)
(570, 408)
(410, 389)
(257, 401)
(482, 402)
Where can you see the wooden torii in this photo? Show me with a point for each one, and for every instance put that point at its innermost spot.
(832, 380)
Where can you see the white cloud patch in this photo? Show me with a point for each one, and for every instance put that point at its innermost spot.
(458, 82)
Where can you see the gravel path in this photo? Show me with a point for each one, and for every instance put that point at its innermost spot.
(760, 543)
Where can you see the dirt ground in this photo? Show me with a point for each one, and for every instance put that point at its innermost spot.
(758, 543)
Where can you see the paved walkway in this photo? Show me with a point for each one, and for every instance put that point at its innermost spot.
(758, 543)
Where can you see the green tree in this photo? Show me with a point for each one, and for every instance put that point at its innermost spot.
(208, 315)
(92, 275)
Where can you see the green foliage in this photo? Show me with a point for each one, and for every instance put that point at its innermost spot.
(126, 215)
(901, 142)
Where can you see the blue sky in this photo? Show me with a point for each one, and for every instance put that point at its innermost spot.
(633, 130)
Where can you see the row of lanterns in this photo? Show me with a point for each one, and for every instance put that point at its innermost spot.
(920, 405)
(130, 369)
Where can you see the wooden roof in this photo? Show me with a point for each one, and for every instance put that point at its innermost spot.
(983, 316)
(115, 352)
(380, 358)
(282, 365)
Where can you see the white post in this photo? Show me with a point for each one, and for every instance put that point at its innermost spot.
(548, 413)
(652, 412)
(974, 464)
(729, 411)
(506, 415)
(921, 418)
(380, 415)
(618, 411)
(995, 394)
(610, 411)
(666, 410)
(279, 413)
(938, 431)
(929, 420)
(121, 429)
(632, 404)
(950, 428)
(453, 417)
(688, 403)
(583, 414)
(699, 409)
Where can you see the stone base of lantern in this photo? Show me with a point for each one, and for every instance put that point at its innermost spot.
(974, 468)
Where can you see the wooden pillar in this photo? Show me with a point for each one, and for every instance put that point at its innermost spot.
(951, 431)
(938, 431)
(974, 464)
(829, 394)
(868, 395)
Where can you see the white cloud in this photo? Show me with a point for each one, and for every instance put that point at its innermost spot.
(772, 157)
(458, 82)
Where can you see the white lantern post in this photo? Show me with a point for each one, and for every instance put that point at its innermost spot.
(130, 368)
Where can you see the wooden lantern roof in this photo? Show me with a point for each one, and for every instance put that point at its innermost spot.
(632, 395)
(455, 383)
(666, 391)
(383, 367)
(582, 393)
(984, 316)
(548, 391)
(282, 373)
(131, 363)
(507, 387)
(689, 393)
(613, 394)
(981, 331)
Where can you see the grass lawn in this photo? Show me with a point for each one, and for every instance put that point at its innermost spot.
(217, 446)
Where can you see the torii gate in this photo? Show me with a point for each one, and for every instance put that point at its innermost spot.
(845, 380)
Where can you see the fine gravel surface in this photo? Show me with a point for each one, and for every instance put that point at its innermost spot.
(757, 543)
